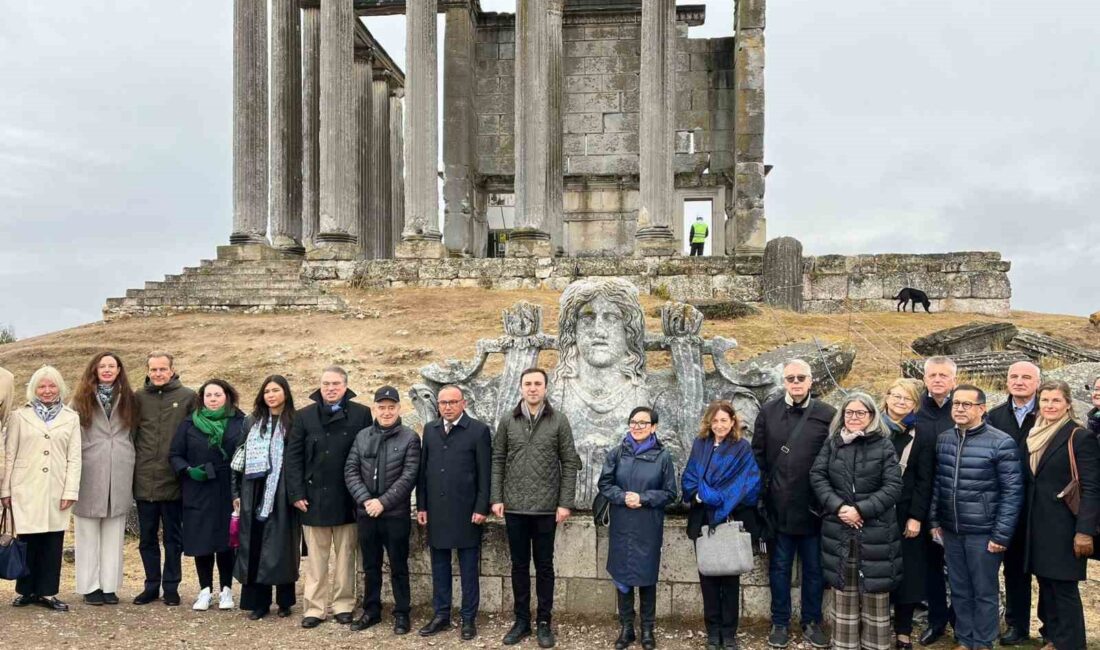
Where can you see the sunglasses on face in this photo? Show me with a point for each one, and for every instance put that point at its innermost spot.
(795, 379)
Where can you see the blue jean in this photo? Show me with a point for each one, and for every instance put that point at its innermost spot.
(975, 591)
(780, 567)
(940, 613)
(441, 581)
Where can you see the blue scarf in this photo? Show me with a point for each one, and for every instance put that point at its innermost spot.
(46, 412)
(724, 476)
(645, 445)
(263, 457)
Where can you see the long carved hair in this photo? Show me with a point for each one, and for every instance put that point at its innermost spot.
(86, 401)
(623, 295)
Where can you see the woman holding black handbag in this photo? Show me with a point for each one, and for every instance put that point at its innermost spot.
(721, 483)
(639, 480)
(1059, 540)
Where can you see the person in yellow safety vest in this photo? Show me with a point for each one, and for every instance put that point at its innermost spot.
(699, 233)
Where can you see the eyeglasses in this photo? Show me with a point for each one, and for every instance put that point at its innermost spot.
(856, 414)
(795, 379)
(901, 398)
(450, 402)
(639, 424)
(965, 406)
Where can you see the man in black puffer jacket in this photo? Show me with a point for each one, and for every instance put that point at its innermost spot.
(977, 493)
(380, 473)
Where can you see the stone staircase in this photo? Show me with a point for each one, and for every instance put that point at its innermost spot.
(245, 278)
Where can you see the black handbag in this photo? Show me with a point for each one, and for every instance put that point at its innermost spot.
(13, 551)
(601, 510)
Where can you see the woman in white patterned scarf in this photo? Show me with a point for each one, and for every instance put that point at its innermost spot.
(270, 531)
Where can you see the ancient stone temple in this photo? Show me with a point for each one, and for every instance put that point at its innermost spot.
(572, 127)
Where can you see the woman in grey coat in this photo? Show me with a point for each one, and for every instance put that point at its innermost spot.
(108, 415)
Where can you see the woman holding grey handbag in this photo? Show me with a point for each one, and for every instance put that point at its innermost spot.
(857, 480)
(722, 483)
(639, 480)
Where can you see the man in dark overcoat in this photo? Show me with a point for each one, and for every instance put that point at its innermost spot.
(316, 449)
(452, 500)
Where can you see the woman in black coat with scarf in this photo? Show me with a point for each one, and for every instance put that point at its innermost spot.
(916, 457)
(1058, 541)
(857, 482)
(270, 528)
(639, 480)
(199, 455)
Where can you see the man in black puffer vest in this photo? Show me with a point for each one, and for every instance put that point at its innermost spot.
(977, 494)
(381, 473)
(1016, 417)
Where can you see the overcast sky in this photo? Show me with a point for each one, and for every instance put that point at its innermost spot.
(893, 126)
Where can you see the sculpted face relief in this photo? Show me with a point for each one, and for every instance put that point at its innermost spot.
(600, 333)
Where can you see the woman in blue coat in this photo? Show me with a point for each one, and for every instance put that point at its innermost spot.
(200, 455)
(722, 483)
(639, 480)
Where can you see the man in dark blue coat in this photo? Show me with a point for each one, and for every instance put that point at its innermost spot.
(455, 466)
(977, 494)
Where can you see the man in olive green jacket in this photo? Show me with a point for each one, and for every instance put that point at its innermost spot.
(534, 484)
(163, 404)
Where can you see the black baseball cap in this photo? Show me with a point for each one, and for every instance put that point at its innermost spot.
(387, 392)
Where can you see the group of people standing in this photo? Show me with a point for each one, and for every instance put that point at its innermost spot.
(898, 490)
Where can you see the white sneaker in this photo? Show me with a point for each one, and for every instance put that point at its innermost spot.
(202, 603)
(226, 599)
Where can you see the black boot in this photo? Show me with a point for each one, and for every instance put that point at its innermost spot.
(714, 638)
(626, 635)
(626, 619)
(649, 642)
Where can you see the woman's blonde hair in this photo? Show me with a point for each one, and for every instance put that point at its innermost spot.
(51, 373)
(911, 387)
(712, 410)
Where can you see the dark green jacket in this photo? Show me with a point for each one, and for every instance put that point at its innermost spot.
(162, 409)
(534, 467)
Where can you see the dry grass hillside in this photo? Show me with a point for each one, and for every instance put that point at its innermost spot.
(392, 334)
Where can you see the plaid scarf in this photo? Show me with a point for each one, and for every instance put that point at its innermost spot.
(263, 457)
(105, 393)
(46, 412)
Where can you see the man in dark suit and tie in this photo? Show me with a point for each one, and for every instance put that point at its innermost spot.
(452, 500)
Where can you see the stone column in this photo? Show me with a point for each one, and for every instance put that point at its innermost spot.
(531, 236)
(311, 124)
(249, 122)
(338, 237)
(459, 133)
(657, 182)
(420, 236)
(748, 201)
(555, 182)
(286, 126)
(380, 214)
(397, 165)
(364, 159)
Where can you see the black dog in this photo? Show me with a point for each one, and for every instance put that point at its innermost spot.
(916, 296)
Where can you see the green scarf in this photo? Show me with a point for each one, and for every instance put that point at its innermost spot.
(213, 424)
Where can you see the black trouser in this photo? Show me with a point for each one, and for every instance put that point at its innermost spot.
(532, 535)
(441, 581)
(1017, 589)
(204, 567)
(1061, 613)
(44, 561)
(939, 612)
(256, 596)
(721, 604)
(153, 515)
(390, 534)
(697, 249)
(903, 618)
(648, 598)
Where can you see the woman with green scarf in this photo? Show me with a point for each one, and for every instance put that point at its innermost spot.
(200, 455)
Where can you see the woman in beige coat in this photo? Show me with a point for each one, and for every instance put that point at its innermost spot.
(41, 482)
(108, 413)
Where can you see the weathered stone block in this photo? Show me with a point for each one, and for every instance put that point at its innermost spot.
(608, 102)
(613, 143)
(583, 122)
(610, 164)
(829, 287)
(987, 284)
(864, 287)
(619, 123)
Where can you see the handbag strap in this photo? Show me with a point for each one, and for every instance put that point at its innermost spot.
(9, 513)
(786, 448)
(1073, 458)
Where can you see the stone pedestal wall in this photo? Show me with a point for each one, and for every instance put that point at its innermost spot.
(956, 282)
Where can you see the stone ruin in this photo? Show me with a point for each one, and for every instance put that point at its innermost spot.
(602, 371)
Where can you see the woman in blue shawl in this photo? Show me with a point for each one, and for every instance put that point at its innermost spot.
(721, 483)
(639, 480)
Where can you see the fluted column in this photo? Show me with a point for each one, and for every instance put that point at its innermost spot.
(397, 165)
(555, 183)
(459, 132)
(339, 225)
(249, 122)
(750, 225)
(420, 236)
(531, 236)
(311, 125)
(364, 123)
(656, 181)
(286, 126)
(380, 217)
